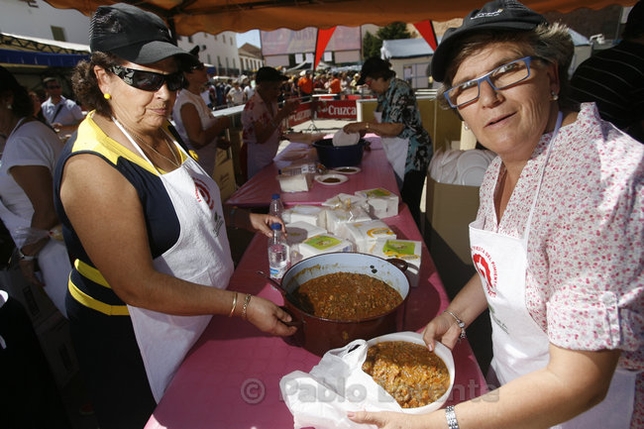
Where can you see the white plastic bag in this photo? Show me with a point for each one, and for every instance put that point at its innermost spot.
(336, 385)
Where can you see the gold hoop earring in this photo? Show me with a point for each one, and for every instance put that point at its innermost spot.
(107, 96)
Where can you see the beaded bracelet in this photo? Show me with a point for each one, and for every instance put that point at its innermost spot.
(245, 306)
(459, 322)
(450, 416)
(232, 310)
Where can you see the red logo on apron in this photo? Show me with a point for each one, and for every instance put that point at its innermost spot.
(486, 269)
(203, 193)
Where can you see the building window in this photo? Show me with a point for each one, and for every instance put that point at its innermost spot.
(58, 33)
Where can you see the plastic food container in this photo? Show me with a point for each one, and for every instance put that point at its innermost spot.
(440, 350)
(339, 156)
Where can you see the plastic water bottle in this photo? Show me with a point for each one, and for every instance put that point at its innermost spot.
(276, 207)
(278, 253)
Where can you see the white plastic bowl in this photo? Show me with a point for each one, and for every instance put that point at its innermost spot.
(441, 351)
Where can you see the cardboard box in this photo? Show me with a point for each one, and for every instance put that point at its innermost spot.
(56, 342)
(299, 232)
(315, 215)
(324, 243)
(336, 219)
(449, 210)
(365, 234)
(409, 251)
(224, 174)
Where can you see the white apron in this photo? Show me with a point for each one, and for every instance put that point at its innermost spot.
(163, 339)
(519, 345)
(396, 149)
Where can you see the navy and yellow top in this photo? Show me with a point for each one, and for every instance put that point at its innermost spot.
(87, 285)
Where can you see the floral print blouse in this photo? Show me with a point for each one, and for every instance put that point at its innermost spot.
(398, 105)
(585, 278)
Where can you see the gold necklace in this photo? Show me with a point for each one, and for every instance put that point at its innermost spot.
(175, 162)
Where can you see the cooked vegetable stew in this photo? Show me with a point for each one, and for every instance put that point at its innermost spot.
(409, 372)
(348, 296)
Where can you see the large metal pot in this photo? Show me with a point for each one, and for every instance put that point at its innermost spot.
(318, 335)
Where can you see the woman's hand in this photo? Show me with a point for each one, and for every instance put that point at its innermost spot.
(28, 269)
(289, 107)
(355, 127)
(262, 223)
(441, 328)
(268, 317)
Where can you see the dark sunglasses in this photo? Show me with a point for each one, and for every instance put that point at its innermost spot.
(200, 66)
(147, 80)
(53, 86)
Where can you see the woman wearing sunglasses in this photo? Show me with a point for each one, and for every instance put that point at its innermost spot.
(144, 223)
(195, 123)
(557, 241)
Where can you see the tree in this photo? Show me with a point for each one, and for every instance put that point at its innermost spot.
(371, 44)
(394, 31)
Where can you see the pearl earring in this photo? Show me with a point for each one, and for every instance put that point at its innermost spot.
(465, 126)
(9, 106)
(107, 96)
(554, 96)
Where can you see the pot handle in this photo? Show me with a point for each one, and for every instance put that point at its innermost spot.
(401, 264)
(295, 322)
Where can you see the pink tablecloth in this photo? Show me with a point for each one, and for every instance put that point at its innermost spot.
(231, 377)
(375, 173)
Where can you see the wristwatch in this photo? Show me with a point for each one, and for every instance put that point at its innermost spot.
(24, 257)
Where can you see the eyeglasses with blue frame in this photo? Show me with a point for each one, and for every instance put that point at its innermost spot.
(502, 77)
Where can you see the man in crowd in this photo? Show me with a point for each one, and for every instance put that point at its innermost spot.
(61, 113)
(305, 85)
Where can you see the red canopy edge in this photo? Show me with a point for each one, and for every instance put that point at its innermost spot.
(214, 16)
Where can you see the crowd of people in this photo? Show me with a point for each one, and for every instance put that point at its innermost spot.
(222, 92)
(145, 261)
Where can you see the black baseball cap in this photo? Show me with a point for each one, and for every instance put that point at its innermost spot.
(269, 74)
(134, 35)
(8, 80)
(496, 15)
(371, 67)
(635, 22)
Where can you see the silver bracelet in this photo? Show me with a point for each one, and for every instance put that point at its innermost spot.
(459, 322)
(450, 415)
(24, 257)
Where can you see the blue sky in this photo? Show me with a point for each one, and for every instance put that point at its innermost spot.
(251, 37)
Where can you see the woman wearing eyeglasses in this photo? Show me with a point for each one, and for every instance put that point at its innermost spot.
(145, 224)
(557, 241)
(195, 123)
